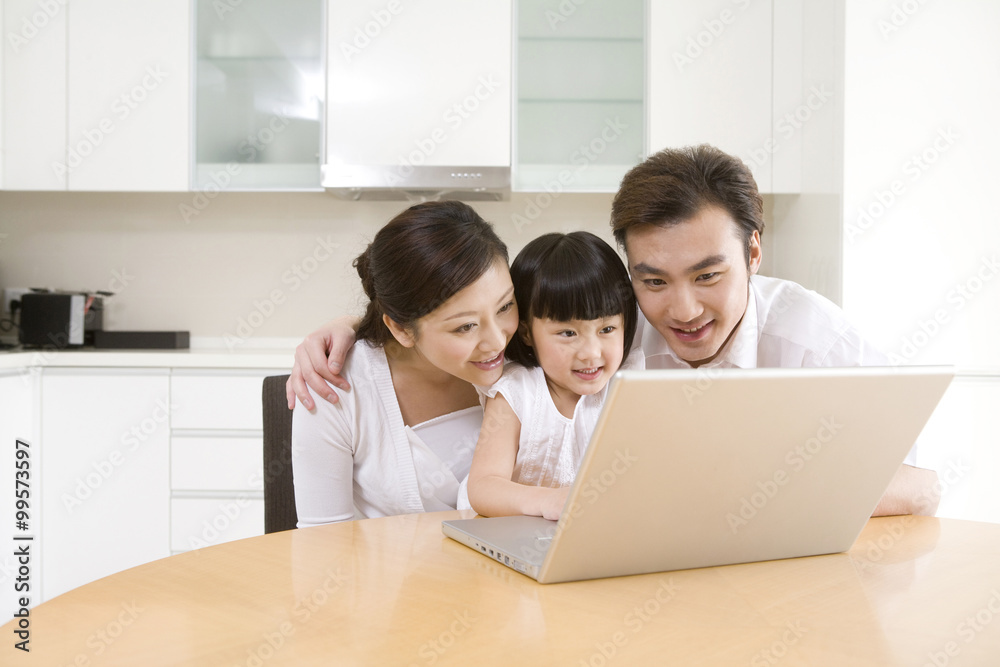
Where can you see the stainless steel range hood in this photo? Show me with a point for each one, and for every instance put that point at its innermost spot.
(419, 100)
(403, 182)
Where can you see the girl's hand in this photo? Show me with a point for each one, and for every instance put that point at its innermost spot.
(554, 502)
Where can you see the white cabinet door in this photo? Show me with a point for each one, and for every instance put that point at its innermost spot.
(105, 460)
(129, 95)
(710, 79)
(33, 95)
(18, 482)
(414, 87)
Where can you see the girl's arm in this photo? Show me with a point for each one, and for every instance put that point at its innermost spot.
(491, 491)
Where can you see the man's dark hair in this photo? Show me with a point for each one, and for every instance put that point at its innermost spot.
(672, 186)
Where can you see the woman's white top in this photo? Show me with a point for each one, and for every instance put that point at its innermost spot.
(356, 458)
(551, 446)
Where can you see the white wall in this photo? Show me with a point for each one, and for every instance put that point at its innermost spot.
(921, 239)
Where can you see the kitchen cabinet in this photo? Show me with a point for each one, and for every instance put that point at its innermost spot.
(18, 423)
(413, 90)
(710, 78)
(134, 456)
(259, 94)
(34, 95)
(217, 452)
(104, 468)
(580, 103)
(96, 95)
(128, 95)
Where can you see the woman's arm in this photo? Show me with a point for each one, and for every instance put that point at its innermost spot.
(491, 491)
(318, 360)
(323, 463)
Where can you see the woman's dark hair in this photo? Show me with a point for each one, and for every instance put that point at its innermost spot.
(419, 260)
(672, 186)
(566, 277)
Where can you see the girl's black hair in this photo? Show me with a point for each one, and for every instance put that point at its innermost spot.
(566, 277)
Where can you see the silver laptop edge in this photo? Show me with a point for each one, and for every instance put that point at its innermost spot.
(719, 466)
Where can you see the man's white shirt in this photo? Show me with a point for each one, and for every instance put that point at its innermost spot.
(784, 326)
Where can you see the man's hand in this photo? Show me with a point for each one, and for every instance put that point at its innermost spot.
(318, 359)
(911, 491)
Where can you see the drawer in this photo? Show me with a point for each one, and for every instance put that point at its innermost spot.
(202, 522)
(217, 400)
(216, 464)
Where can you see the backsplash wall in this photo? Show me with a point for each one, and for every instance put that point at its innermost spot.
(246, 267)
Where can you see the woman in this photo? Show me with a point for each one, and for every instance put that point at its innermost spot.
(440, 314)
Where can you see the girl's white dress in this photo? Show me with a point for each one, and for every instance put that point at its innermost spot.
(551, 446)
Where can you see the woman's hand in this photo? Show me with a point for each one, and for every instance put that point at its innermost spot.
(318, 359)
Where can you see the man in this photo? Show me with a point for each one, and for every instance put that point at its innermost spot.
(690, 221)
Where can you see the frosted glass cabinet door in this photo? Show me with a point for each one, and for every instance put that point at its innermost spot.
(580, 94)
(259, 92)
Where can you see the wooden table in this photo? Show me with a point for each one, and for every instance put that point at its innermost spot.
(395, 591)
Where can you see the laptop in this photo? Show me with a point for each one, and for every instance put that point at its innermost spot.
(697, 468)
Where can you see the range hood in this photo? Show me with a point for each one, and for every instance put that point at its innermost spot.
(419, 100)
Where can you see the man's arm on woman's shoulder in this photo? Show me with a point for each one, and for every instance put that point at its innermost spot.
(318, 359)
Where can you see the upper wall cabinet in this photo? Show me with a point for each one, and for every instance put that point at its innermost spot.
(580, 113)
(96, 95)
(128, 95)
(34, 95)
(710, 78)
(419, 95)
(259, 94)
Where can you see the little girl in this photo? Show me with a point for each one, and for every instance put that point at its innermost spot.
(577, 317)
